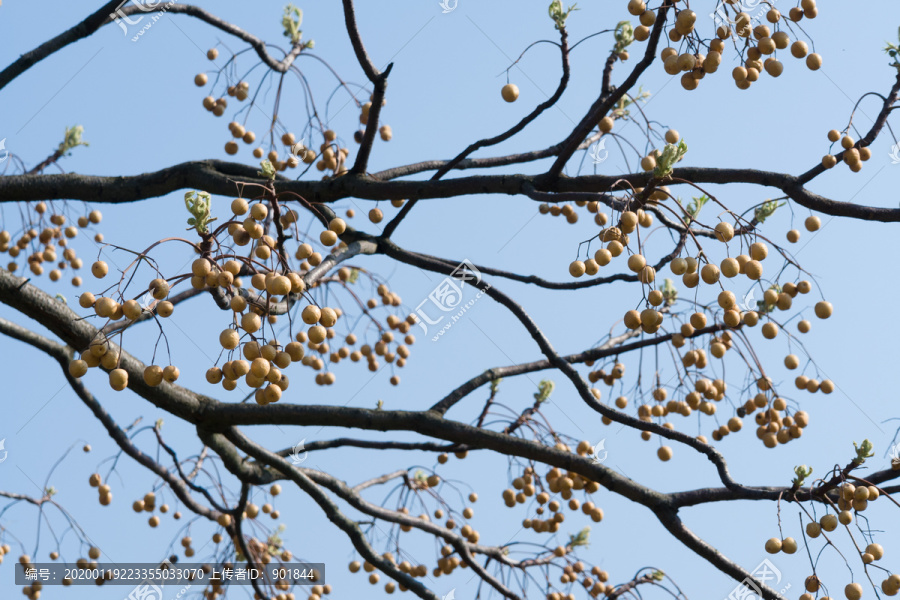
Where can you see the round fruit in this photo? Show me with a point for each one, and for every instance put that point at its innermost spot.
(875, 550)
(636, 262)
(337, 225)
(311, 314)
(510, 92)
(724, 232)
(709, 273)
(229, 339)
(758, 251)
(78, 368)
(829, 522)
(853, 591)
(328, 238)
(118, 379)
(823, 309)
(99, 269)
(753, 269)
(576, 268)
(165, 309)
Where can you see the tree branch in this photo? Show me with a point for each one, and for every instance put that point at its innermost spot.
(220, 177)
(80, 31)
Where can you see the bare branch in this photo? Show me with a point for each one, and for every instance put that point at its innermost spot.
(281, 66)
(80, 31)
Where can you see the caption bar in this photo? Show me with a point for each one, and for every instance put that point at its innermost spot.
(169, 574)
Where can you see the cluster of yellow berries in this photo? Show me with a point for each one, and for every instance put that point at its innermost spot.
(261, 362)
(101, 353)
(761, 43)
(47, 236)
(774, 428)
(331, 156)
(148, 504)
(104, 491)
(4, 550)
(852, 499)
(33, 591)
(448, 562)
(594, 581)
(404, 567)
(854, 154)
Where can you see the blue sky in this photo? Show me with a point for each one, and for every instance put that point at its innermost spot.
(141, 112)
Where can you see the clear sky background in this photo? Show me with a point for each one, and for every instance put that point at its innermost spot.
(141, 112)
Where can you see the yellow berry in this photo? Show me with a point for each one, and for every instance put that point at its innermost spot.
(510, 92)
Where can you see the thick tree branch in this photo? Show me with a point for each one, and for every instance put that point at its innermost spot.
(80, 31)
(672, 522)
(221, 178)
(359, 49)
(374, 117)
